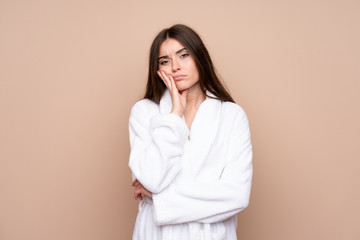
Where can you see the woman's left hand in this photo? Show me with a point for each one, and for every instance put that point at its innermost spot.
(178, 99)
(139, 190)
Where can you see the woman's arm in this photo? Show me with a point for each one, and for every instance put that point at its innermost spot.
(157, 142)
(187, 200)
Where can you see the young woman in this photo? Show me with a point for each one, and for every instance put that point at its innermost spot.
(191, 154)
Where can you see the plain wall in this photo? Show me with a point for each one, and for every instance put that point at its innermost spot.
(70, 72)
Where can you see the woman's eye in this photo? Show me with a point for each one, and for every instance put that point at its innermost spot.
(164, 62)
(184, 55)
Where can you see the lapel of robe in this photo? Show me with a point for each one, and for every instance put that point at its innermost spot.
(203, 130)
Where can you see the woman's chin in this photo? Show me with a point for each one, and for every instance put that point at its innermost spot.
(180, 87)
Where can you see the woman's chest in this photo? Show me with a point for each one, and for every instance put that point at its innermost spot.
(205, 157)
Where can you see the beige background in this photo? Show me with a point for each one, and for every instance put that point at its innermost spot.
(71, 70)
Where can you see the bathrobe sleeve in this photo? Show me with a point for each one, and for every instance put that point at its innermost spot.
(157, 142)
(212, 200)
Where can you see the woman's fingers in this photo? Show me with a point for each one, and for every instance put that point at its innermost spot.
(137, 193)
(165, 79)
(137, 184)
(162, 78)
(144, 192)
(169, 82)
(134, 182)
(140, 190)
(173, 86)
(178, 100)
(137, 196)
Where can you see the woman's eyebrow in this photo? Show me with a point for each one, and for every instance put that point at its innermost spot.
(178, 51)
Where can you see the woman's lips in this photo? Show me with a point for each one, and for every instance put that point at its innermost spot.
(179, 77)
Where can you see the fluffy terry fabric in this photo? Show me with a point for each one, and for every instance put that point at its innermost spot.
(199, 179)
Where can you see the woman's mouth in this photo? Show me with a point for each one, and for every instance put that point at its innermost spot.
(179, 77)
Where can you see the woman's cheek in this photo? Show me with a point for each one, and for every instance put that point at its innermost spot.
(165, 69)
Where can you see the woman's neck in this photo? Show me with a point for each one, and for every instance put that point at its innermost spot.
(194, 97)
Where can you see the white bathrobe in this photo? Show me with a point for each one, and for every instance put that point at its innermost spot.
(200, 178)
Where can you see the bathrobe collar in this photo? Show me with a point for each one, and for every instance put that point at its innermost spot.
(203, 130)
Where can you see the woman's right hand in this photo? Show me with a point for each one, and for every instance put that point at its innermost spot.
(178, 99)
(140, 190)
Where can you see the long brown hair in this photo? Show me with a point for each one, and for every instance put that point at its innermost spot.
(208, 78)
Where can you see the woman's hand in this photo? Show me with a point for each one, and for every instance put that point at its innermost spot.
(139, 190)
(178, 99)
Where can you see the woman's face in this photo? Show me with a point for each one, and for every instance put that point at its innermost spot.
(176, 60)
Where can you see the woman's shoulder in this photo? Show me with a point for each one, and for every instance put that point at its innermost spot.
(144, 103)
(144, 107)
(233, 114)
(232, 109)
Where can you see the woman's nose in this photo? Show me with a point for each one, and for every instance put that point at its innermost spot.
(176, 65)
